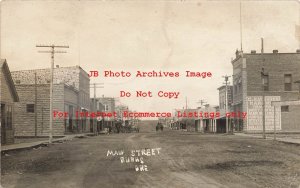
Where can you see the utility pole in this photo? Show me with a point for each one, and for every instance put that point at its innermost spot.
(298, 82)
(263, 102)
(52, 52)
(201, 101)
(185, 102)
(241, 26)
(35, 105)
(263, 92)
(95, 85)
(42, 120)
(262, 45)
(226, 100)
(274, 119)
(95, 107)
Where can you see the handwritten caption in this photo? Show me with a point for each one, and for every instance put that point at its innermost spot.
(136, 157)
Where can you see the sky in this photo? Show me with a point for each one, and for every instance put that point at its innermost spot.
(200, 36)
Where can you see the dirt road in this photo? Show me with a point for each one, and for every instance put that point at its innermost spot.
(177, 159)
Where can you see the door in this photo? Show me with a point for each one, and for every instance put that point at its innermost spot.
(3, 124)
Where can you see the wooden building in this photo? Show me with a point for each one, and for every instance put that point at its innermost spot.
(8, 97)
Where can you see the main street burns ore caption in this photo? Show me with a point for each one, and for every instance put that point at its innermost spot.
(136, 157)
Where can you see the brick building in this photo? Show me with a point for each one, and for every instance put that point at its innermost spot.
(270, 76)
(70, 94)
(8, 97)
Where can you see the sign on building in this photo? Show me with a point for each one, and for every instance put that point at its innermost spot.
(255, 113)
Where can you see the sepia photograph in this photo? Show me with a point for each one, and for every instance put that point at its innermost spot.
(150, 93)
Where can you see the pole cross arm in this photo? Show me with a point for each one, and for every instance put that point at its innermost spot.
(56, 51)
(96, 83)
(53, 46)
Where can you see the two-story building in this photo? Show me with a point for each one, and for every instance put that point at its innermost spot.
(105, 105)
(71, 94)
(259, 79)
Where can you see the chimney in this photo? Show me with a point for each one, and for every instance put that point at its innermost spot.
(236, 53)
(262, 45)
(253, 51)
(275, 51)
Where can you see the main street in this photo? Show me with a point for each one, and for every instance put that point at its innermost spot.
(185, 159)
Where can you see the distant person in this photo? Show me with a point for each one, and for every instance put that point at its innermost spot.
(161, 127)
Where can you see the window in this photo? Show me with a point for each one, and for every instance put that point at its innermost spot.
(235, 89)
(30, 108)
(9, 118)
(105, 107)
(284, 108)
(265, 82)
(221, 102)
(220, 99)
(240, 87)
(287, 82)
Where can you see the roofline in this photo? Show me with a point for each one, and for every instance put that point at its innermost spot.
(105, 97)
(270, 53)
(11, 81)
(75, 66)
(224, 86)
(258, 54)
